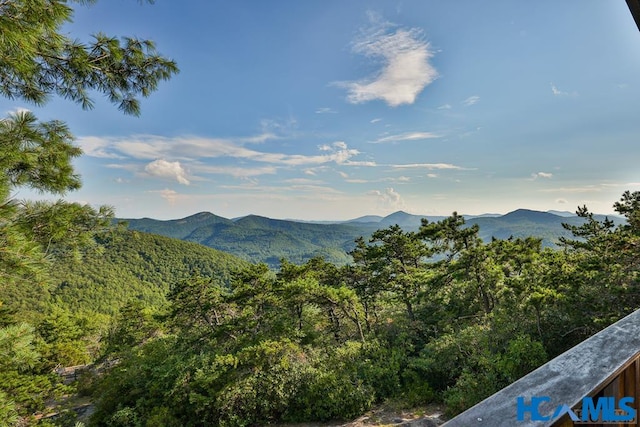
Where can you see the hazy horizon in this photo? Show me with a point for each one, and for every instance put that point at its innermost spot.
(285, 218)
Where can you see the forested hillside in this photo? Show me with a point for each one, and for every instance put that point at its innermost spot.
(72, 312)
(417, 317)
(134, 265)
(259, 239)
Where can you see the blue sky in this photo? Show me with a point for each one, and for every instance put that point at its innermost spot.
(332, 109)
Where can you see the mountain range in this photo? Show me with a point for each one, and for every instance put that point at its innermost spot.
(261, 239)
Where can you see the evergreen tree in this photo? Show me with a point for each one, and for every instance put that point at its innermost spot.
(39, 61)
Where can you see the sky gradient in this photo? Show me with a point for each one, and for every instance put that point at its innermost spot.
(332, 110)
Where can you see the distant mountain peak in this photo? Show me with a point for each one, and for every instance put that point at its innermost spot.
(399, 213)
(562, 213)
(203, 214)
(367, 218)
(529, 214)
(201, 217)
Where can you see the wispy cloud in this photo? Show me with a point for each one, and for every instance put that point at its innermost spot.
(170, 196)
(326, 110)
(304, 181)
(314, 189)
(558, 92)
(405, 65)
(258, 139)
(359, 163)
(388, 198)
(429, 166)
(97, 147)
(545, 175)
(234, 171)
(445, 107)
(407, 136)
(579, 189)
(471, 101)
(164, 169)
(190, 149)
(376, 120)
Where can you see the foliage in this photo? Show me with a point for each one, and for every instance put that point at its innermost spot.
(433, 314)
(38, 61)
(127, 266)
(190, 336)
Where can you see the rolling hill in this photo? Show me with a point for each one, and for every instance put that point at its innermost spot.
(261, 239)
(134, 265)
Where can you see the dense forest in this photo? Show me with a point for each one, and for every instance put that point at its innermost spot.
(433, 315)
(192, 336)
(182, 335)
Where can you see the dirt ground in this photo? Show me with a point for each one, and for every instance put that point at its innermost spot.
(388, 416)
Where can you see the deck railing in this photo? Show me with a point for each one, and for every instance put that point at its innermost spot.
(604, 369)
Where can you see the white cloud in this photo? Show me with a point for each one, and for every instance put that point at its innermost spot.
(376, 120)
(258, 139)
(430, 166)
(432, 175)
(405, 67)
(471, 100)
(340, 145)
(545, 175)
(388, 198)
(97, 147)
(124, 166)
(315, 189)
(558, 92)
(186, 149)
(445, 107)
(303, 181)
(343, 174)
(398, 180)
(326, 110)
(408, 136)
(582, 189)
(235, 171)
(164, 169)
(18, 110)
(170, 196)
(359, 163)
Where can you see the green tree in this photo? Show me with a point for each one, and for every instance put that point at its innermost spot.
(39, 61)
(395, 261)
